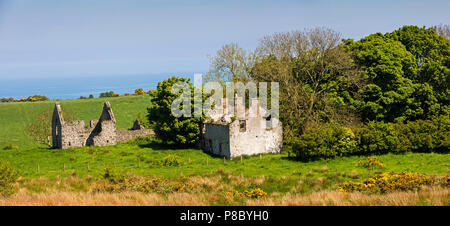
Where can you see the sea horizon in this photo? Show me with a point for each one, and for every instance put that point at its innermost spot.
(61, 88)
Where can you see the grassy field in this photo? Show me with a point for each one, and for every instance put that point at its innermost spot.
(143, 159)
(77, 176)
(15, 117)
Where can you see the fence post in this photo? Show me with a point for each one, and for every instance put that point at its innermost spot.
(64, 167)
(38, 168)
(241, 158)
(88, 167)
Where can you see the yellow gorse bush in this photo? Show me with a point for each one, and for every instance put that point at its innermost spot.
(255, 193)
(389, 182)
(371, 162)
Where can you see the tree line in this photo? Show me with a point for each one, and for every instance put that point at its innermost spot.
(378, 82)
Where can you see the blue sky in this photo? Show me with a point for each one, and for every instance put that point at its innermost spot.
(97, 37)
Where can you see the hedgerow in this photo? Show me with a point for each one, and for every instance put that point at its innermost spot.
(374, 138)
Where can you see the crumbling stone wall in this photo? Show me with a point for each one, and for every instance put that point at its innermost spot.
(102, 132)
(245, 132)
(125, 134)
(217, 139)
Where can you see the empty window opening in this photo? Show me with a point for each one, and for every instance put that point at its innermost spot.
(242, 125)
(269, 122)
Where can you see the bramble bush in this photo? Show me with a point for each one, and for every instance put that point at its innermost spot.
(8, 176)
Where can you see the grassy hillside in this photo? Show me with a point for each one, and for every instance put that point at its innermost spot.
(15, 117)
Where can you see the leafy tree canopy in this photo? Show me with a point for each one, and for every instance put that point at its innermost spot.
(408, 74)
(178, 131)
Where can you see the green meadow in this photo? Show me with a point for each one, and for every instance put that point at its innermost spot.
(82, 169)
(143, 158)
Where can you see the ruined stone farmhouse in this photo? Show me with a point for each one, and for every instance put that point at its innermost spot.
(241, 131)
(101, 132)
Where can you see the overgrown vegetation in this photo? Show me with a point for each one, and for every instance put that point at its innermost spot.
(374, 138)
(41, 127)
(394, 182)
(8, 176)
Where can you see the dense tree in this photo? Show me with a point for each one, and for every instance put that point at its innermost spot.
(432, 54)
(408, 74)
(174, 130)
(315, 73)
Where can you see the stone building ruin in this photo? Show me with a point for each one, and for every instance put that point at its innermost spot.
(101, 132)
(242, 132)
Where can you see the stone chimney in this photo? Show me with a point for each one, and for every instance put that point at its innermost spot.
(254, 108)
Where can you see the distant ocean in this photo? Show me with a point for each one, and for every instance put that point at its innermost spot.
(73, 88)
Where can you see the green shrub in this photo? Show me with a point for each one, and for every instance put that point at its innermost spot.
(377, 138)
(425, 135)
(8, 176)
(11, 147)
(171, 160)
(328, 142)
(111, 174)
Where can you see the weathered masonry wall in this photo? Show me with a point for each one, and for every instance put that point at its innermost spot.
(216, 139)
(125, 134)
(74, 134)
(247, 132)
(102, 132)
